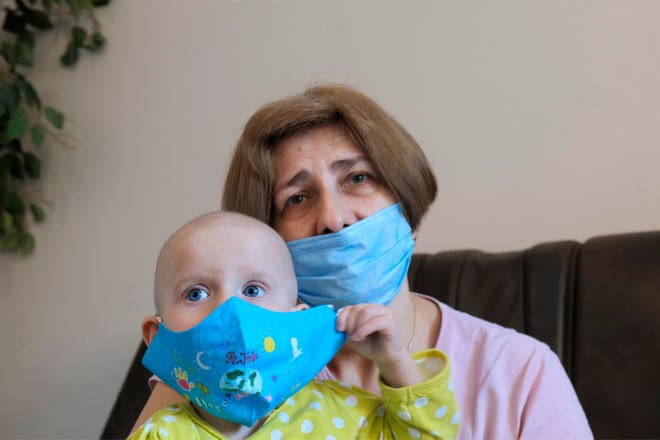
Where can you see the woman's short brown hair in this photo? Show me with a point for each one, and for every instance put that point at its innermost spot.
(396, 157)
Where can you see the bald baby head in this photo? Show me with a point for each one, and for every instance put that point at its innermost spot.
(216, 256)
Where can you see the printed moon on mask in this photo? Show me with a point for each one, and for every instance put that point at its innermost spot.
(199, 361)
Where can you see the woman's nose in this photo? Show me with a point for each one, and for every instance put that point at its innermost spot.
(334, 215)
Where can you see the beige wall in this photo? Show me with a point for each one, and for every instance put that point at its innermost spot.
(540, 119)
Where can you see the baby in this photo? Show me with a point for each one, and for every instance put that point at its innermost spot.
(231, 336)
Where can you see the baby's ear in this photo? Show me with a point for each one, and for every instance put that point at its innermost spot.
(300, 306)
(149, 328)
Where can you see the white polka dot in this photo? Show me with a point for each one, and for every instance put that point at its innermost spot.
(433, 366)
(283, 417)
(440, 413)
(338, 422)
(450, 385)
(421, 402)
(330, 437)
(346, 385)
(194, 427)
(173, 408)
(404, 415)
(351, 400)
(163, 432)
(276, 435)
(290, 401)
(315, 405)
(306, 427)
(456, 418)
(380, 411)
(413, 433)
(148, 427)
(170, 419)
(362, 422)
(319, 394)
(435, 434)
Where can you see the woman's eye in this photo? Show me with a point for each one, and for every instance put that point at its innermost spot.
(358, 178)
(253, 291)
(296, 199)
(195, 295)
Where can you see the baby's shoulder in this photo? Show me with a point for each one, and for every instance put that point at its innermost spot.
(173, 421)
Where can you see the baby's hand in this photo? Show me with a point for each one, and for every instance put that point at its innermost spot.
(371, 330)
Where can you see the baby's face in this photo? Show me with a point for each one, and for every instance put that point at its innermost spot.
(219, 257)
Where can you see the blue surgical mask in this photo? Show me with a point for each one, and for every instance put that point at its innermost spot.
(242, 361)
(366, 262)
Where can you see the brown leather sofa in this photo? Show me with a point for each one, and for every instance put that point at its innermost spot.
(596, 304)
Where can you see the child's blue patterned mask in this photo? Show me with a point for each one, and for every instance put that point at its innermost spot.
(242, 361)
(366, 262)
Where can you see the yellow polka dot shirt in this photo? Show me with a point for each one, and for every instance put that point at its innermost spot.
(328, 409)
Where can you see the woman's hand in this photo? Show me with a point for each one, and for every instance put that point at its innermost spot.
(372, 331)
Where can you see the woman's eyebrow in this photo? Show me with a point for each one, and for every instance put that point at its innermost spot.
(297, 179)
(348, 163)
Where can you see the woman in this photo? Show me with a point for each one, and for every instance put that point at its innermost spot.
(314, 164)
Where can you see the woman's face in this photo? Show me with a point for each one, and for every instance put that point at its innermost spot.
(323, 183)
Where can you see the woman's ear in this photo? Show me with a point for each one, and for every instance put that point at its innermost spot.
(149, 328)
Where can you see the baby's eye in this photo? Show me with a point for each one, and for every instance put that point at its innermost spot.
(196, 294)
(253, 291)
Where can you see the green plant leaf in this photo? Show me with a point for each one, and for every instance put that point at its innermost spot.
(48, 6)
(8, 53)
(27, 37)
(78, 35)
(37, 19)
(37, 135)
(15, 146)
(24, 54)
(70, 55)
(96, 41)
(9, 98)
(77, 6)
(32, 165)
(5, 182)
(55, 117)
(11, 241)
(6, 221)
(13, 23)
(30, 94)
(27, 243)
(37, 212)
(14, 205)
(18, 124)
(11, 163)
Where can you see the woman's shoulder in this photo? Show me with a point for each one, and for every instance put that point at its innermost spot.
(462, 333)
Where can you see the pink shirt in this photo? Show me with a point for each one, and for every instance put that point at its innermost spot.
(508, 385)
